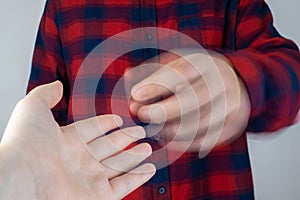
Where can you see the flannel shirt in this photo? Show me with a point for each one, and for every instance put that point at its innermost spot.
(267, 63)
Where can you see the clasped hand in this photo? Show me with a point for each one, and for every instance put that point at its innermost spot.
(159, 95)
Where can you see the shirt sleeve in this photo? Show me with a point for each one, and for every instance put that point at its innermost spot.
(47, 62)
(269, 66)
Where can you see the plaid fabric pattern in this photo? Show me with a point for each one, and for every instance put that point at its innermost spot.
(242, 30)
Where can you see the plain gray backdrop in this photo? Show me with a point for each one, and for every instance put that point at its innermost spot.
(275, 159)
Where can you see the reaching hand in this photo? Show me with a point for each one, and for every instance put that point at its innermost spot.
(40, 160)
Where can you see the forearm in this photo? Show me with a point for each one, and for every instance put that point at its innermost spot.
(272, 85)
(268, 64)
(16, 179)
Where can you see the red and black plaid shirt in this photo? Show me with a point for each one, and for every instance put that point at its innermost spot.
(268, 64)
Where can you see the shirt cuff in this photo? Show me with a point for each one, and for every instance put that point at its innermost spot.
(250, 72)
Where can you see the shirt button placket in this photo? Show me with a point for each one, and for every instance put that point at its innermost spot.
(149, 36)
(161, 185)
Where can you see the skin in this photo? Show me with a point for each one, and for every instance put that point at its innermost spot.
(41, 160)
(157, 97)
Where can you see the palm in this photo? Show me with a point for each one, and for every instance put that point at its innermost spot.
(61, 165)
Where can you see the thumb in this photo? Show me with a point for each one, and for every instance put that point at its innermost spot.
(50, 93)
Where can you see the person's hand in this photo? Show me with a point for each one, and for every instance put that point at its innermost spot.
(165, 96)
(40, 160)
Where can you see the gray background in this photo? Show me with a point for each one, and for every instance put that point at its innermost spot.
(275, 159)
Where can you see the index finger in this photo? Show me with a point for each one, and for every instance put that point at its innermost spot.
(91, 128)
(161, 83)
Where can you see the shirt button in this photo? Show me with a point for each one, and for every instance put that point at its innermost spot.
(161, 190)
(149, 36)
(156, 137)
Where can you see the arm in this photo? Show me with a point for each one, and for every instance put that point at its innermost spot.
(48, 63)
(269, 66)
(40, 160)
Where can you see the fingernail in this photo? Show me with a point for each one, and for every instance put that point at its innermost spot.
(144, 148)
(133, 107)
(138, 94)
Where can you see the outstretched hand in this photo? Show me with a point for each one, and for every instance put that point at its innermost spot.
(41, 160)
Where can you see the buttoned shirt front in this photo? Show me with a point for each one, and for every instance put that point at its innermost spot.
(242, 30)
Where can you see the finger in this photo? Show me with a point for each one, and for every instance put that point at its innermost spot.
(115, 165)
(163, 81)
(185, 146)
(185, 127)
(50, 94)
(211, 133)
(125, 184)
(185, 101)
(136, 74)
(189, 130)
(92, 128)
(202, 145)
(134, 106)
(199, 145)
(209, 136)
(113, 143)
